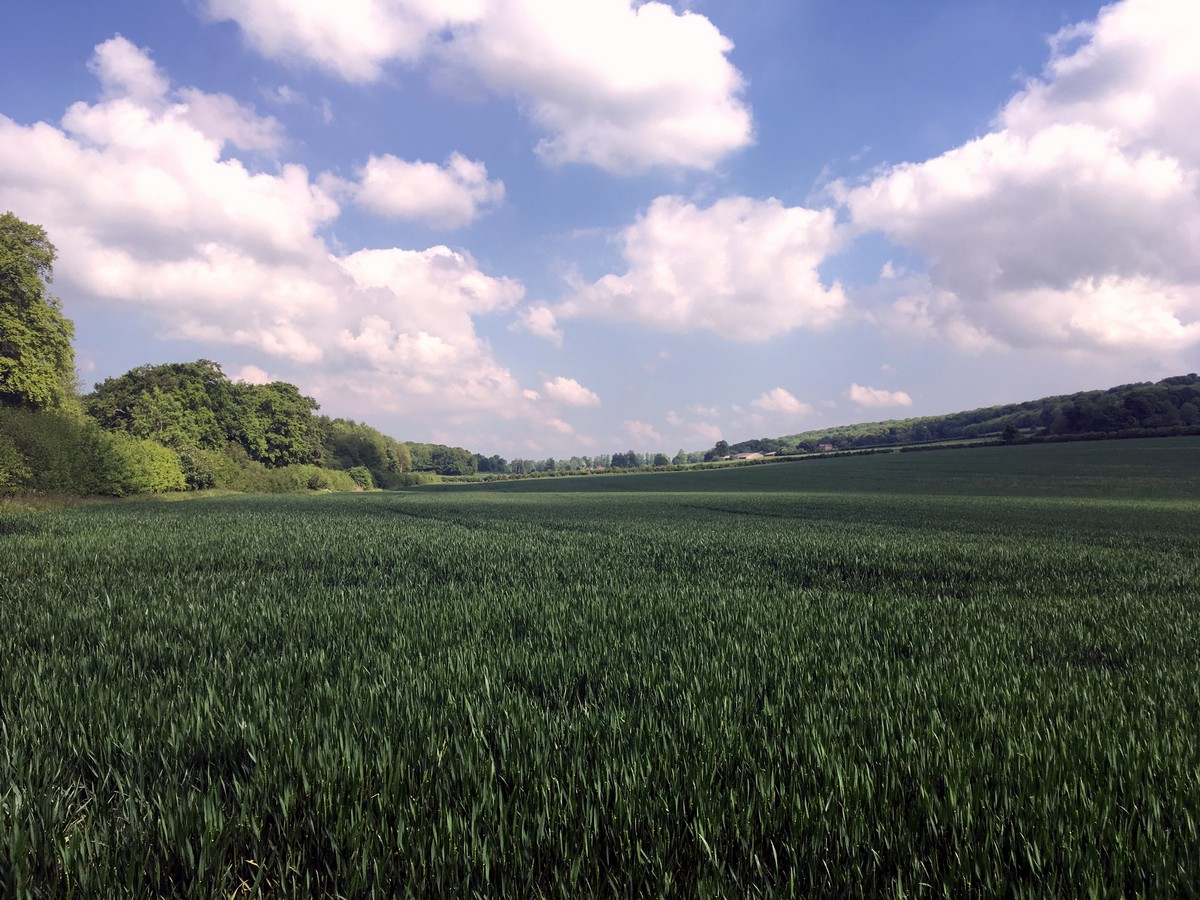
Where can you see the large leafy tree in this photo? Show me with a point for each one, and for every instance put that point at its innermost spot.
(37, 362)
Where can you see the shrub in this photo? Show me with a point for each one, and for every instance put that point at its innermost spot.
(203, 469)
(361, 476)
(138, 466)
(62, 452)
(414, 479)
(13, 470)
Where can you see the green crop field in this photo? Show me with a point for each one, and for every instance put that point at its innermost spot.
(968, 673)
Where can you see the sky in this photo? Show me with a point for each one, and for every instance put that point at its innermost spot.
(557, 227)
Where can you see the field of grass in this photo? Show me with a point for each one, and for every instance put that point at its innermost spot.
(969, 672)
(1154, 468)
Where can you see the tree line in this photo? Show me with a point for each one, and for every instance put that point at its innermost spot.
(1129, 410)
(175, 426)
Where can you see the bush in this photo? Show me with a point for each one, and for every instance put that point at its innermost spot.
(62, 452)
(139, 466)
(204, 469)
(294, 479)
(362, 477)
(414, 479)
(13, 470)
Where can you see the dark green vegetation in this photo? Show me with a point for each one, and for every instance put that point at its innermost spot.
(37, 362)
(894, 675)
(167, 427)
(1134, 469)
(1129, 410)
(236, 435)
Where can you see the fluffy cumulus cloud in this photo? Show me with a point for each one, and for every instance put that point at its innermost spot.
(876, 397)
(691, 432)
(354, 39)
(781, 402)
(1076, 221)
(618, 84)
(570, 392)
(642, 432)
(251, 375)
(744, 269)
(539, 320)
(149, 209)
(449, 195)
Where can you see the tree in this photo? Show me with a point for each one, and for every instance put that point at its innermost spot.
(37, 362)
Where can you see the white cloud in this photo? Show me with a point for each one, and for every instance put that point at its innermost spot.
(570, 392)
(450, 195)
(705, 432)
(694, 433)
(126, 71)
(619, 84)
(354, 39)
(149, 209)
(744, 269)
(129, 77)
(614, 83)
(223, 119)
(540, 321)
(874, 397)
(642, 432)
(781, 402)
(1076, 222)
(251, 375)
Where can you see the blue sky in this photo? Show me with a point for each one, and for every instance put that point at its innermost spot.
(556, 227)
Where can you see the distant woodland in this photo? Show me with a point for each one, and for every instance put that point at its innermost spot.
(1170, 406)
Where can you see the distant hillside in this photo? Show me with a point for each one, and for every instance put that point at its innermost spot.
(1149, 408)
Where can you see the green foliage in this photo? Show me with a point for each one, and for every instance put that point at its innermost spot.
(178, 404)
(1163, 468)
(205, 469)
(62, 452)
(278, 427)
(195, 406)
(1145, 409)
(727, 693)
(14, 472)
(255, 478)
(65, 453)
(362, 477)
(37, 362)
(349, 445)
(138, 466)
(442, 459)
(417, 479)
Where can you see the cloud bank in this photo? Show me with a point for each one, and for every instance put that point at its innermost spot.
(744, 269)
(149, 209)
(1075, 223)
(612, 83)
(451, 195)
(877, 397)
